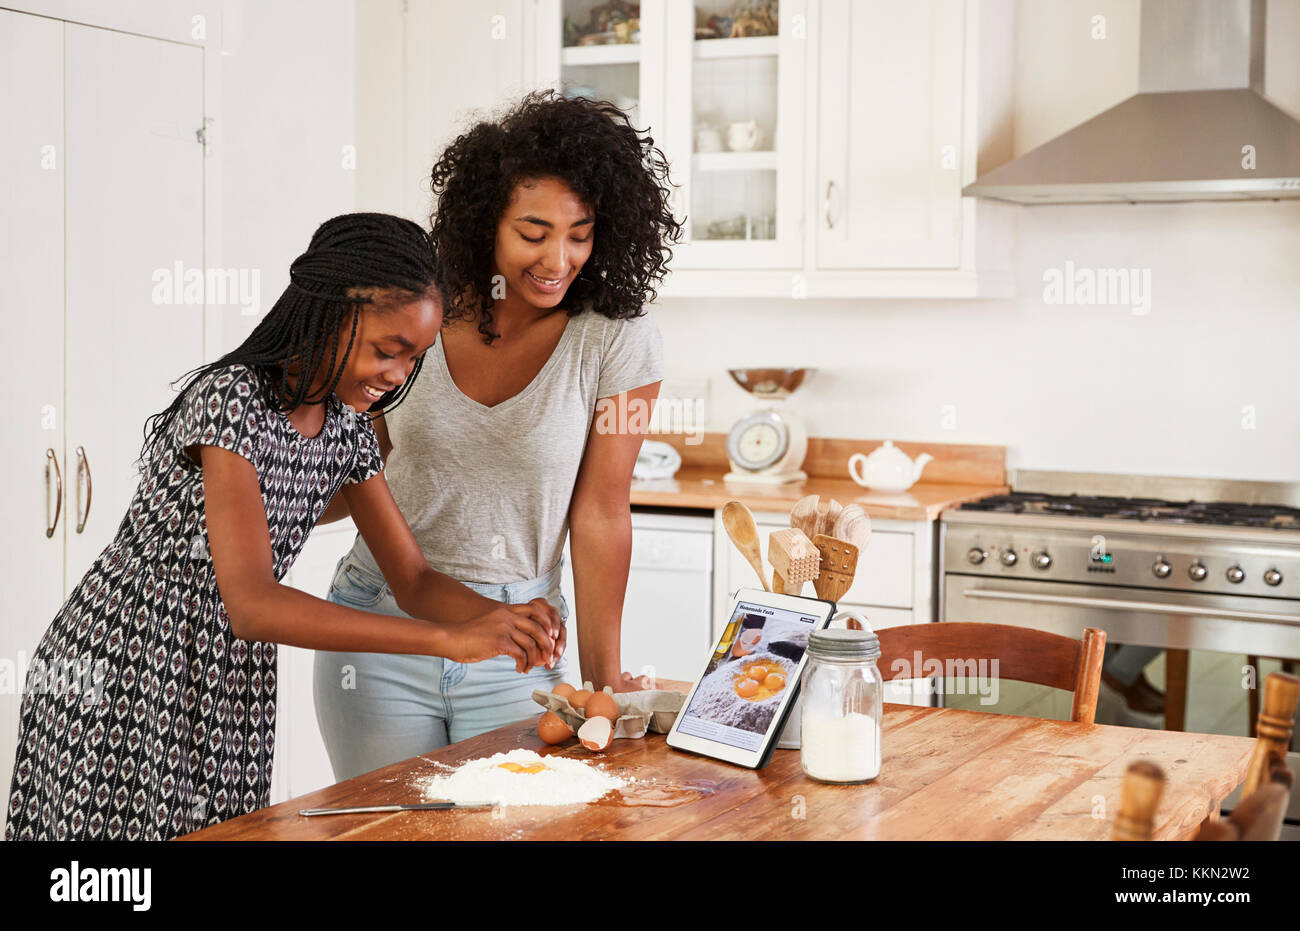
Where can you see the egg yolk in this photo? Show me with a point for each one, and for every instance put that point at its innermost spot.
(524, 767)
(746, 688)
(757, 673)
(774, 682)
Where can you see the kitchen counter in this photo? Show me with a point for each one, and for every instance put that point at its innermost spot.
(705, 489)
(948, 775)
(958, 473)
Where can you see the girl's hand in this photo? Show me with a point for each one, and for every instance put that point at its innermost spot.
(558, 632)
(521, 631)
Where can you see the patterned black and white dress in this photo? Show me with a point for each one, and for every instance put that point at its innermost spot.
(143, 717)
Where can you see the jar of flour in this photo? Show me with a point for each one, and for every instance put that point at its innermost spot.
(841, 694)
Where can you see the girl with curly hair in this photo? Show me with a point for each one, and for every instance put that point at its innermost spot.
(554, 227)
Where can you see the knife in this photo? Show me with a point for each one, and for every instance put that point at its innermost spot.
(424, 806)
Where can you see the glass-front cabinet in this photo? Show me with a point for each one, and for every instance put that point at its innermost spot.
(735, 130)
(719, 84)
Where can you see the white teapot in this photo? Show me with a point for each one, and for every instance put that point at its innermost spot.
(887, 468)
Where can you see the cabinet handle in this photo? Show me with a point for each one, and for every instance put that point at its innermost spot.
(83, 465)
(52, 460)
(830, 223)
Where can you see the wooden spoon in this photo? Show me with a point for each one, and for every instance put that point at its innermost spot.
(803, 516)
(740, 526)
(852, 526)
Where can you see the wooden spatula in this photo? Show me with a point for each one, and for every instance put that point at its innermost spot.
(839, 562)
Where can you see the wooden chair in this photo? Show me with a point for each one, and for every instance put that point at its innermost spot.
(1022, 654)
(1265, 794)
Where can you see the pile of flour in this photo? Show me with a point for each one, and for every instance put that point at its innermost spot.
(565, 781)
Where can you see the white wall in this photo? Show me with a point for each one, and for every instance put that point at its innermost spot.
(288, 81)
(1075, 388)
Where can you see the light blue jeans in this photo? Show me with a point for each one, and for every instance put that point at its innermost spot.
(379, 708)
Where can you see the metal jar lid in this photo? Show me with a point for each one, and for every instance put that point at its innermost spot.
(837, 643)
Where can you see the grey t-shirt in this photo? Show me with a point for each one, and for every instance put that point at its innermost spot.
(486, 490)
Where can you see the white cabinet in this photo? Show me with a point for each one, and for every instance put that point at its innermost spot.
(735, 138)
(669, 597)
(31, 254)
(110, 118)
(302, 763)
(889, 134)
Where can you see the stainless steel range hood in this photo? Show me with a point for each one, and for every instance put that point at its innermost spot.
(1181, 137)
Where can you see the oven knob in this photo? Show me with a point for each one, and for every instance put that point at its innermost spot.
(1273, 577)
(1236, 574)
(1197, 572)
(975, 556)
(1008, 557)
(1162, 569)
(1042, 561)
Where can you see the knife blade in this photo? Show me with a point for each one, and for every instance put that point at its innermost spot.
(422, 806)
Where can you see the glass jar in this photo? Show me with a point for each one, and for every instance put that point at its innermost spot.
(841, 695)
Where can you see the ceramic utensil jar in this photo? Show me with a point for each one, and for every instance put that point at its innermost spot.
(841, 695)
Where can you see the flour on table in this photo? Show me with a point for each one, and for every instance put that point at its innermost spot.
(505, 778)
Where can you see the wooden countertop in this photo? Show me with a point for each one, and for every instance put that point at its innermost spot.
(958, 473)
(704, 488)
(948, 774)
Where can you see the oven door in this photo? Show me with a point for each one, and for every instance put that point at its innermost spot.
(1170, 619)
(1265, 627)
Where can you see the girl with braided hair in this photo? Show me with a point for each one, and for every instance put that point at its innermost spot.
(149, 708)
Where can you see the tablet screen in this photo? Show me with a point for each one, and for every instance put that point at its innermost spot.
(755, 663)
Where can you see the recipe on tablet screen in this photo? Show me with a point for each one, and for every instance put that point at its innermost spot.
(753, 667)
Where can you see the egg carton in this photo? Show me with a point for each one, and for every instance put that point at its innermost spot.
(650, 710)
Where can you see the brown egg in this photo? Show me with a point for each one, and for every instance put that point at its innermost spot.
(602, 705)
(596, 734)
(563, 690)
(552, 729)
(579, 699)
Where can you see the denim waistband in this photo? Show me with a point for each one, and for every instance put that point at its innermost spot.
(504, 592)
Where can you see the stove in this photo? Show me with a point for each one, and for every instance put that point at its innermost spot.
(1178, 564)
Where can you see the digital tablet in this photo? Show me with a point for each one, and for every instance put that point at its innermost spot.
(739, 704)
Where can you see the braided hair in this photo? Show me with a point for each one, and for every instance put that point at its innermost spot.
(354, 259)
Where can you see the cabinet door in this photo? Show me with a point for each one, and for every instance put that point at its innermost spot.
(31, 267)
(135, 294)
(735, 111)
(889, 103)
(302, 763)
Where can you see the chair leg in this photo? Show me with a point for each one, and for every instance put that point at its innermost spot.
(1176, 662)
(1252, 696)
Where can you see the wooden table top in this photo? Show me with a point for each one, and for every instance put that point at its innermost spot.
(705, 489)
(948, 774)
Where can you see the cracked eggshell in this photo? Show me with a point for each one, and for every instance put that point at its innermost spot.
(552, 729)
(596, 734)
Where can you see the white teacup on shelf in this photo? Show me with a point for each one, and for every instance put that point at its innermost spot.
(743, 137)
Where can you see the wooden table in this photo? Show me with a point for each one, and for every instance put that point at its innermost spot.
(948, 774)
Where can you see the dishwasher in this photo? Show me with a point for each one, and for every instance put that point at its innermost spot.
(669, 603)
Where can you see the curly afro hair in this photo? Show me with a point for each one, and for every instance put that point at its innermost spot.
(592, 147)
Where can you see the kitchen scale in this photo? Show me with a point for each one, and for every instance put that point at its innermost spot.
(767, 446)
